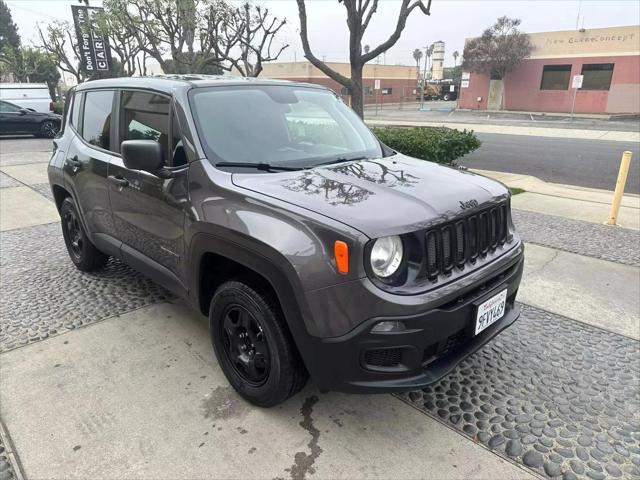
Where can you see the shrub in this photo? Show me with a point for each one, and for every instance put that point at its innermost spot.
(436, 144)
(58, 107)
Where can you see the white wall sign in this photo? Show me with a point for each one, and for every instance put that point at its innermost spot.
(464, 84)
(577, 81)
(452, 88)
(376, 85)
(466, 75)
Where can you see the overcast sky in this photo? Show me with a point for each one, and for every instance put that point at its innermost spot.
(451, 21)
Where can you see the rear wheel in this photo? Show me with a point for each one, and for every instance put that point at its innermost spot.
(49, 128)
(253, 345)
(83, 253)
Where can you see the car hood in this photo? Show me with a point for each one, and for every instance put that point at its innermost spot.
(386, 196)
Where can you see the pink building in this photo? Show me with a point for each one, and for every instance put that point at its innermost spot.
(607, 58)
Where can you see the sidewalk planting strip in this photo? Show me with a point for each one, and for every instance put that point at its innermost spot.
(553, 394)
(614, 244)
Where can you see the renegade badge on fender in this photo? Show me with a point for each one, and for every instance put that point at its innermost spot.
(272, 209)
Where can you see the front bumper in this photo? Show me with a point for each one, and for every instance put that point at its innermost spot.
(434, 342)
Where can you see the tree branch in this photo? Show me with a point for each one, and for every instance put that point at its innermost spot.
(302, 12)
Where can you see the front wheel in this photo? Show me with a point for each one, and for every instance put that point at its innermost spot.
(49, 129)
(446, 97)
(253, 344)
(83, 253)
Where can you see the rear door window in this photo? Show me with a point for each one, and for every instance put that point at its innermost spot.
(96, 121)
(76, 103)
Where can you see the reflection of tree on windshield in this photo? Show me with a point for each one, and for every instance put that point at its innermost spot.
(336, 193)
(387, 176)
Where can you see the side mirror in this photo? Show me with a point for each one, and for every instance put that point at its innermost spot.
(143, 155)
(24, 111)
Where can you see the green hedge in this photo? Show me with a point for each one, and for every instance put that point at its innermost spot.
(436, 144)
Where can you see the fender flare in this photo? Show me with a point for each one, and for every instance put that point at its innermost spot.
(273, 267)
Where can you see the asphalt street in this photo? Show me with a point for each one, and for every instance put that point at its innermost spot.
(586, 163)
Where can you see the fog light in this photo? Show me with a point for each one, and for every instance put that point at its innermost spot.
(386, 327)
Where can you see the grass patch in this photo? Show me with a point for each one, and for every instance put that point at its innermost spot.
(516, 190)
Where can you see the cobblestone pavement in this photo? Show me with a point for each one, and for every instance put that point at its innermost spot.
(584, 238)
(555, 395)
(44, 294)
(43, 189)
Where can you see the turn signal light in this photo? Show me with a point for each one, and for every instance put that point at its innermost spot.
(341, 252)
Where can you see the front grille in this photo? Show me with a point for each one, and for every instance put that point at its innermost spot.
(383, 357)
(454, 245)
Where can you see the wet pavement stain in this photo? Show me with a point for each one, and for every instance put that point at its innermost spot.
(223, 403)
(304, 461)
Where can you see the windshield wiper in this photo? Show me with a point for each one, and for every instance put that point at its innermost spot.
(266, 167)
(340, 160)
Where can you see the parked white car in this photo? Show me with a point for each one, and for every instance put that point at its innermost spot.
(27, 95)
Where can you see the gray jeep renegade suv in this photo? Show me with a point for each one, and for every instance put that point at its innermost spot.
(271, 208)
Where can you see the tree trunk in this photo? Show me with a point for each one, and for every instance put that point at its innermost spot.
(356, 90)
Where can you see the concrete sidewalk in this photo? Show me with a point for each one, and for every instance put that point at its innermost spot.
(593, 291)
(579, 203)
(142, 396)
(616, 136)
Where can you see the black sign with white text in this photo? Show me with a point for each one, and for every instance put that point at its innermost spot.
(94, 49)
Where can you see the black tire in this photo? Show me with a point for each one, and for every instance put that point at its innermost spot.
(446, 97)
(277, 372)
(49, 129)
(83, 253)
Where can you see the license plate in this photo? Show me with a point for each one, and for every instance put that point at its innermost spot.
(490, 311)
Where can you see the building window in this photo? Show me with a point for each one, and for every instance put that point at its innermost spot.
(344, 91)
(555, 77)
(387, 91)
(368, 91)
(597, 76)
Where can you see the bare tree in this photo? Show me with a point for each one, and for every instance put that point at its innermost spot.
(244, 37)
(359, 14)
(58, 41)
(124, 42)
(500, 48)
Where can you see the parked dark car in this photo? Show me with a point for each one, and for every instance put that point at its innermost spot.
(272, 209)
(18, 120)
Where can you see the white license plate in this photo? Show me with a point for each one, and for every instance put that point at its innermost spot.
(490, 311)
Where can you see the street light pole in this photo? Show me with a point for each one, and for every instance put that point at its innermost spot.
(424, 77)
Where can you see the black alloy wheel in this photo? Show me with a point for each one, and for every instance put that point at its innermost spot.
(245, 345)
(49, 129)
(71, 224)
(253, 344)
(84, 255)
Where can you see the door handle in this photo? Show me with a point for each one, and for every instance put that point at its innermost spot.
(74, 162)
(118, 180)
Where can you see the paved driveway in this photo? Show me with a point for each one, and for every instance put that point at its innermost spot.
(107, 375)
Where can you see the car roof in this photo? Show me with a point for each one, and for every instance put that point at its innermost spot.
(167, 83)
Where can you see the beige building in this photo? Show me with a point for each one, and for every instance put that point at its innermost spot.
(397, 82)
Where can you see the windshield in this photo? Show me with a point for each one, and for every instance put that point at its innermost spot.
(279, 125)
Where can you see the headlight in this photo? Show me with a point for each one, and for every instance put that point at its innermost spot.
(386, 256)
